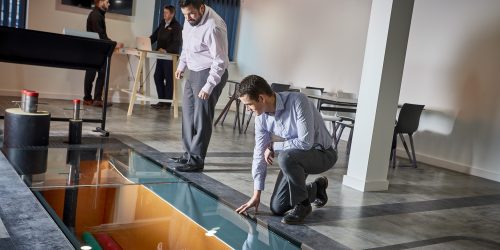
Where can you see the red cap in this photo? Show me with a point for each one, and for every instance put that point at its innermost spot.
(24, 91)
(31, 93)
(76, 101)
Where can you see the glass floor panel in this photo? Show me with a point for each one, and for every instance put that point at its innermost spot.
(118, 199)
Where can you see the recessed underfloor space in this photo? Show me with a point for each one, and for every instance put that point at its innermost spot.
(425, 208)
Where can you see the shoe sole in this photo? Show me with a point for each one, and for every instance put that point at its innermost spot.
(318, 206)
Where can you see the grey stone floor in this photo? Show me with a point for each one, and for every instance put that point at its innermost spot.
(424, 208)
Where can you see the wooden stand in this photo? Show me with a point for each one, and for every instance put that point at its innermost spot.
(136, 92)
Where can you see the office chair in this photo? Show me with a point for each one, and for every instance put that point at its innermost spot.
(344, 120)
(321, 89)
(407, 123)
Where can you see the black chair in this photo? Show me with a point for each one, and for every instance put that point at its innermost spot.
(345, 120)
(232, 97)
(276, 87)
(407, 123)
(279, 87)
(321, 89)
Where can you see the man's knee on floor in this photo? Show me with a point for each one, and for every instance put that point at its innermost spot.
(277, 209)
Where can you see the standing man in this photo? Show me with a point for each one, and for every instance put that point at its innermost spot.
(205, 55)
(97, 24)
(168, 37)
(303, 143)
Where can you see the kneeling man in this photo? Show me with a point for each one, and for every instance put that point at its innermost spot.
(288, 124)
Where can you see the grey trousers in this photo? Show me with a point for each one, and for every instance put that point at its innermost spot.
(295, 165)
(198, 115)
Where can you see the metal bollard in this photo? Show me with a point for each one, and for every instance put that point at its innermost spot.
(75, 124)
(76, 109)
(30, 101)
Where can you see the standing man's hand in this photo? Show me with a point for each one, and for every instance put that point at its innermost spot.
(179, 74)
(119, 45)
(253, 202)
(162, 50)
(203, 95)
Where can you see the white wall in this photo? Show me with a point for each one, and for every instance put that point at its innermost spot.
(50, 16)
(314, 42)
(452, 66)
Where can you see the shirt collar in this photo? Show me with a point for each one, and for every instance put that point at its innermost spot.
(205, 15)
(280, 106)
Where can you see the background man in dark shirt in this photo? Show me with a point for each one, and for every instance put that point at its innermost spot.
(97, 24)
(168, 37)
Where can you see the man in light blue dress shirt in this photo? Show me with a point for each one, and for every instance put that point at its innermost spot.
(287, 123)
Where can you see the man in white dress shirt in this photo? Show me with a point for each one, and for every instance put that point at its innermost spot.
(205, 56)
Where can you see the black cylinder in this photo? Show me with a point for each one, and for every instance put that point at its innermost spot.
(27, 161)
(23, 129)
(75, 132)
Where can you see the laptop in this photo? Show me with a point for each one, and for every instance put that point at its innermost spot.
(79, 33)
(143, 43)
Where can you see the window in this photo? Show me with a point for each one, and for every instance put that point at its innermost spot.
(13, 13)
(229, 10)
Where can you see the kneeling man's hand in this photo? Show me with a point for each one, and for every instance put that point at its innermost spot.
(253, 202)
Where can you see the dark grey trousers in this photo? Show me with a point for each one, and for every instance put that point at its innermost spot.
(295, 165)
(198, 115)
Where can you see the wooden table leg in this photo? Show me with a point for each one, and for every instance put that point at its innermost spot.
(133, 97)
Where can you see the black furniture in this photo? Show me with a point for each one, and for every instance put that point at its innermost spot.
(320, 89)
(232, 98)
(407, 123)
(40, 48)
(344, 120)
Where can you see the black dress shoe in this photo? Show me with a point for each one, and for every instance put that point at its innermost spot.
(189, 168)
(321, 196)
(297, 214)
(180, 160)
(156, 106)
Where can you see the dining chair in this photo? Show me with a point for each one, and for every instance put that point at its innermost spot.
(232, 98)
(311, 87)
(344, 120)
(276, 87)
(407, 123)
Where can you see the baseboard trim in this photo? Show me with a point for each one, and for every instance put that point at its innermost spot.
(454, 166)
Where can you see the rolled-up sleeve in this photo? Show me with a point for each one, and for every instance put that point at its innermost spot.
(259, 165)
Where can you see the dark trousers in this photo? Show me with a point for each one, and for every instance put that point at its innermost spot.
(164, 79)
(89, 80)
(198, 115)
(295, 165)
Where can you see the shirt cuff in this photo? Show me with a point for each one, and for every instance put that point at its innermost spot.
(181, 66)
(278, 146)
(208, 88)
